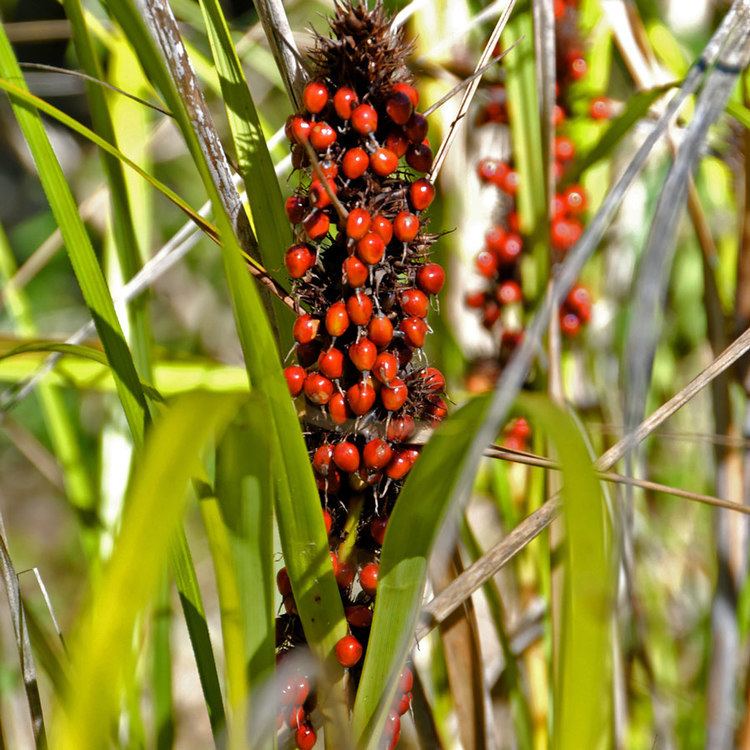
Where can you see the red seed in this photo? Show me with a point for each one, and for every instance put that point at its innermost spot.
(514, 222)
(564, 149)
(355, 163)
(358, 615)
(421, 194)
(579, 300)
(330, 169)
(305, 328)
(348, 651)
(365, 119)
(355, 272)
(331, 363)
(570, 324)
(409, 90)
(322, 136)
(337, 319)
(305, 737)
(415, 331)
(405, 226)
(295, 379)
(368, 578)
(345, 575)
(358, 223)
(283, 584)
(316, 224)
(363, 354)
(509, 182)
(474, 300)
(511, 249)
(376, 454)
(295, 209)
(438, 409)
(565, 233)
(328, 521)
(406, 680)
(404, 704)
(318, 388)
(299, 259)
(394, 395)
(601, 108)
(315, 96)
(509, 292)
(419, 157)
(296, 717)
(319, 196)
(344, 102)
(380, 331)
(416, 128)
(486, 263)
(397, 142)
(383, 162)
(385, 367)
(577, 67)
(399, 107)
(400, 429)
(361, 397)
(399, 466)
(492, 171)
(433, 379)
(575, 199)
(377, 529)
(338, 408)
(371, 248)
(430, 278)
(359, 307)
(297, 129)
(383, 227)
(414, 302)
(494, 239)
(346, 457)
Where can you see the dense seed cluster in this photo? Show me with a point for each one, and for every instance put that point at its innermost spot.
(501, 301)
(360, 268)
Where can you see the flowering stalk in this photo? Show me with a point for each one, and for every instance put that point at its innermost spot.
(360, 268)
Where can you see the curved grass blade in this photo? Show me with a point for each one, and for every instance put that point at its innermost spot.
(156, 502)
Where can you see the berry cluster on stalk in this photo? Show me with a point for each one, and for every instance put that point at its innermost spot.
(500, 302)
(360, 268)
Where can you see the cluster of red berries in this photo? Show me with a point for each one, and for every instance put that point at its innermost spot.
(502, 297)
(360, 268)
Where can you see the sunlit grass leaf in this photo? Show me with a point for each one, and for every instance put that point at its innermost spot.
(156, 502)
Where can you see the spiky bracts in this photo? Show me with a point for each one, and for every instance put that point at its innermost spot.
(360, 267)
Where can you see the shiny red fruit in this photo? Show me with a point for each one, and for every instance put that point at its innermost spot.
(355, 163)
(410, 91)
(346, 456)
(400, 429)
(328, 521)
(415, 331)
(338, 409)
(509, 292)
(355, 272)
(330, 169)
(358, 223)
(385, 367)
(492, 170)
(419, 157)
(358, 615)
(514, 222)
(601, 108)
(579, 301)
(283, 584)
(318, 388)
(296, 717)
(371, 248)
(399, 107)
(564, 148)
(404, 704)
(359, 307)
(383, 162)
(570, 324)
(331, 363)
(486, 263)
(377, 529)
(316, 224)
(558, 116)
(397, 142)
(305, 328)
(430, 278)
(368, 578)
(376, 454)
(511, 249)
(494, 239)
(474, 300)
(406, 680)
(337, 319)
(297, 129)
(299, 259)
(433, 379)
(315, 97)
(394, 395)
(577, 67)
(364, 119)
(399, 466)
(575, 199)
(305, 737)
(414, 302)
(319, 196)
(416, 128)
(405, 226)
(348, 651)
(509, 182)
(421, 194)
(295, 379)
(295, 209)
(322, 136)
(380, 331)
(345, 573)
(363, 354)
(437, 410)
(361, 397)
(344, 102)
(565, 233)
(383, 227)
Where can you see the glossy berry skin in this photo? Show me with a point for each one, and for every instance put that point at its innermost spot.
(509, 292)
(509, 182)
(315, 97)
(579, 301)
(383, 227)
(405, 226)
(358, 616)
(337, 319)
(361, 398)
(305, 328)
(409, 90)
(419, 157)
(338, 409)
(344, 102)
(406, 680)
(295, 379)
(491, 171)
(371, 248)
(299, 259)
(430, 278)
(565, 233)
(319, 196)
(383, 162)
(401, 429)
(345, 574)
(376, 454)
(433, 379)
(397, 142)
(328, 521)
(355, 272)
(318, 388)
(570, 324)
(346, 457)
(564, 149)
(416, 128)
(421, 194)
(283, 584)
(415, 331)
(399, 107)
(348, 651)
(363, 354)
(511, 249)
(385, 368)
(394, 395)
(298, 129)
(296, 717)
(359, 308)
(399, 466)
(295, 209)
(414, 302)
(574, 198)
(322, 136)
(355, 163)
(331, 363)
(364, 119)
(494, 239)
(377, 529)
(380, 331)
(601, 108)
(316, 224)
(404, 704)
(358, 223)
(305, 737)
(368, 578)
(486, 263)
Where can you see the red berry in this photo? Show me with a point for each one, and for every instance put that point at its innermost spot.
(601, 108)
(564, 149)
(474, 300)
(316, 224)
(363, 354)
(355, 272)
(492, 170)
(338, 408)
(509, 292)
(295, 209)
(296, 717)
(385, 367)
(361, 397)
(437, 409)
(383, 227)
(514, 222)
(355, 163)
(297, 129)
(494, 239)
(346, 457)
(331, 363)
(399, 107)
(305, 737)
(365, 119)
(404, 704)
(337, 319)
(413, 302)
(559, 207)
(319, 196)
(383, 162)
(322, 136)
(511, 249)
(565, 233)
(358, 223)
(358, 616)
(419, 157)
(491, 314)
(400, 429)
(376, 454)
(397, 142)
(344, 102)
(406, 680)
(421, 194)
(295, 379)
(414, 330)
(315, 97)
(368, 578)
(399, 466)
(579, 301)
(318, 388)
(509, 182)
(430, 278)
(577, 68)
(416, 128)
(283, 584)
(409, 90)
(575, 199)
(328, 521)
(570, 324)
(377, 529)
(345, 575)
(371, 248)
(359, 307)
(558, 116)
(405, 226)
(305, 328)
(380, 331)
(330, 169)
(348, 651)
(299, 259)
(394, 395)
(433, 379)
(486, 263)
